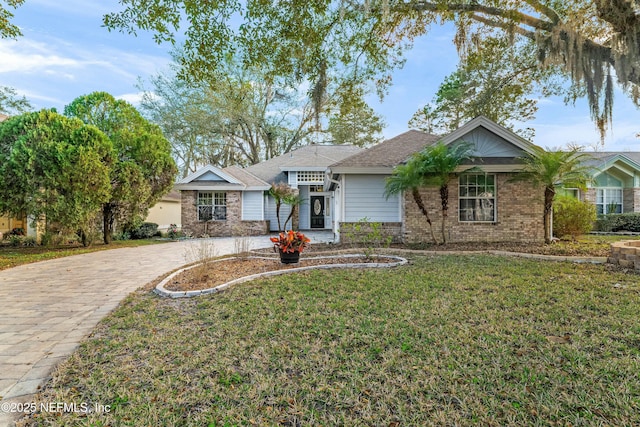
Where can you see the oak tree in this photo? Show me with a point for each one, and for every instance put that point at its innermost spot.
(596, 43)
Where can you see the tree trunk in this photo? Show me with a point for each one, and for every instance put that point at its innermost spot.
(416, 196)
(444, 199)
(278, 204)
(549, 193)
(290, 217)
(107, 223)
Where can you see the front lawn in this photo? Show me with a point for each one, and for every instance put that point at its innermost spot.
(14, 256)
(447, 340)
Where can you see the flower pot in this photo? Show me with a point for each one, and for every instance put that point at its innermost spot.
(289, 257)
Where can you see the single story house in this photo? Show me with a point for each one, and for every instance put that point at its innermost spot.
(234, 201)
(342, 184)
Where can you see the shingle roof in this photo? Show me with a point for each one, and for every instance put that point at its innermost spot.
(314, 155)
(599, 157)
(391, 152)
(244, 176)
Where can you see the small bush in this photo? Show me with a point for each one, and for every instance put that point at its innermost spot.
(29, 241)
(572, 217)
(123, 235)
(172, 231)
(15, 240)
(146, 230)
(366, 234)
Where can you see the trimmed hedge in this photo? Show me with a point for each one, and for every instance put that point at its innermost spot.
(619, 222)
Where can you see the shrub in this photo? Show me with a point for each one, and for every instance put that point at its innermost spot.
(15, 240)
(146, 230)
(173, 232)
(619, 222)
(123, 235)
(572, 217)
(366, 234)
(29, 241)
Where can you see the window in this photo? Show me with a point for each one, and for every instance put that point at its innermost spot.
(568, 192)
(608, 200)
(477, 198)
(212, 206)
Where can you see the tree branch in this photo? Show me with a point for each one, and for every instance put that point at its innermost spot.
(513, 15)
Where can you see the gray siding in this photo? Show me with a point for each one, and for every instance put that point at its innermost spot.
(364, 197)
(488, 144)
(252, 205)
(270, 213)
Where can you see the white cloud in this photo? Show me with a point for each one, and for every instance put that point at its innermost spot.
(25, 56)
(131, 98)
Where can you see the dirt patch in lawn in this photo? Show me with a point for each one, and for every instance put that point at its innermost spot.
(223, 271)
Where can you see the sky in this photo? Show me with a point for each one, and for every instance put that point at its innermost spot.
(65, 52)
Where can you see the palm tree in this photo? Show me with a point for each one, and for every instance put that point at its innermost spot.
(439, 165)
(554, 170)
(436, 165)
(407, 178)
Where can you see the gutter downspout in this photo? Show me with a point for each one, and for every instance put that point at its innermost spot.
(337, 213)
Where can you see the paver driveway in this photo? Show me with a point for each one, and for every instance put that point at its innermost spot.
(48, 307)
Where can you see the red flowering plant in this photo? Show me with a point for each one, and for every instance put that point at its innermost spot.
(291, 241)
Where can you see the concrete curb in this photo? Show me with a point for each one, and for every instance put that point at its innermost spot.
(162, 291)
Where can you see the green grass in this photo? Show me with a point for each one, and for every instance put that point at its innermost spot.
(444, 341)
(15, 256)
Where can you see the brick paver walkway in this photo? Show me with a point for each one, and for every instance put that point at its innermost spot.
(47, 308)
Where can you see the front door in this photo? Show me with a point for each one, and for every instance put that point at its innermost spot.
(317, 211)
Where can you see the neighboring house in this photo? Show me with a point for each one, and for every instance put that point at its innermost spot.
(616, 184)
(167, 211)
(9, 223)
(344, 185)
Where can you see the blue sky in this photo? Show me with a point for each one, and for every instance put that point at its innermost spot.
(65, 53)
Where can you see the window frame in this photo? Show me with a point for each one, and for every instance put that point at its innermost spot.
(600, 206)
(466, 196)
(216, 201)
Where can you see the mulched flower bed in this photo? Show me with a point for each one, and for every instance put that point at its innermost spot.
(222, 271)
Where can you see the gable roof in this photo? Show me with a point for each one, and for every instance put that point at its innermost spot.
(230, 178)
(626, 162)
(388, 154)
(3, 117)
(309, 157)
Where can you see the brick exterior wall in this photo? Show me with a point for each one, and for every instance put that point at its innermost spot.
(631, 199)
(519, 215)
(589, 195)
(349, 232)
(232, 226)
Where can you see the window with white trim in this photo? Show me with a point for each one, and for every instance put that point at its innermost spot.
(477, 198)
(608, 200)
(310, 177)
(212, 206)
